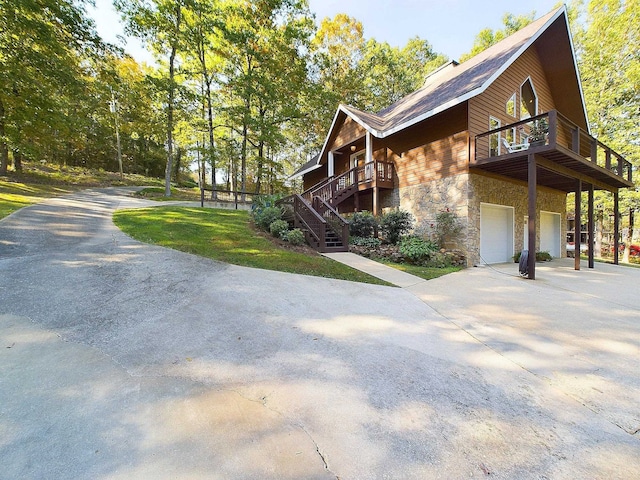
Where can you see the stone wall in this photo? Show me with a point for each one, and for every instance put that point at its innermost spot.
(425, 201)
(484, 189)
(462, 194)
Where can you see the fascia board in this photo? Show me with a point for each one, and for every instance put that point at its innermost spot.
(485, 85)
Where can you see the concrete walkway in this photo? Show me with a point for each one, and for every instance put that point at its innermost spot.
(376, 269)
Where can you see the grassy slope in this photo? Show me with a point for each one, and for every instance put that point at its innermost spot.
(226, 235)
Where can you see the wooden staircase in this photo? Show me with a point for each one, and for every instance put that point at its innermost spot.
(314, 211)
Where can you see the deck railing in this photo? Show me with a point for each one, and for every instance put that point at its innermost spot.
(377, 172)
(561, 132)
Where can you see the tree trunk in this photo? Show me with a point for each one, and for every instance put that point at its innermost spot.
(17, 161)
(243, 160)
(172, 59)
(4, 149)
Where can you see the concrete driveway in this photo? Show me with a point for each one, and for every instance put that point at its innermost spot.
(124, 360)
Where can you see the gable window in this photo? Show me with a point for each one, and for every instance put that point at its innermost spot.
(494, 138)
(528, 100)
(511, 106)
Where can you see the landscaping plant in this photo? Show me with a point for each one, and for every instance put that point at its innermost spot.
(395, 224)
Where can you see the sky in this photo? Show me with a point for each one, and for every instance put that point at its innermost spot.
(450, 26)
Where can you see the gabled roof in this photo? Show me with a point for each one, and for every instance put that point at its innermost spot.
(456, 83)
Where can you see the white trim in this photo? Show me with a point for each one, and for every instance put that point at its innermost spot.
(513, 97)
(331, 164)
(368, 158)
(304, 172)
(492, 118)
(473, 93)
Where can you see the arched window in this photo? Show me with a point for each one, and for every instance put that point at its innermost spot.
(528, 100)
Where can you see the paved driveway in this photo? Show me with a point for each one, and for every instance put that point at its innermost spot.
(124, 360)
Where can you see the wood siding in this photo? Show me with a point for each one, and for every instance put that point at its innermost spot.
(347, 133)
(313, 178)
(434, 149)
(493, 101)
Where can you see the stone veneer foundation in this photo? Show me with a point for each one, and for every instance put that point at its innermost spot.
(463, 194)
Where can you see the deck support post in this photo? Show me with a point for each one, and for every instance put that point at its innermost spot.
(532, 180)
(591, 227)
(577, 236)
(616, 228)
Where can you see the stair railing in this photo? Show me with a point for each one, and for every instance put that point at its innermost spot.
(334, 221)
(312, 222)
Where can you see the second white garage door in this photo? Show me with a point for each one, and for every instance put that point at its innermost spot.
(496, 233)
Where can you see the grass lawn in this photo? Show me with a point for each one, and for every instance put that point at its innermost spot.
(14, 195)
(227, 236)
(427, 273)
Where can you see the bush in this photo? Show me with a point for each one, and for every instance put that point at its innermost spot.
(295, 237)
(266, 216)
(260, 202)
(447, 227)
(370, 242)
(540, 257)
(417, 250)
(395, 224)
(279, 228)
(362, 224)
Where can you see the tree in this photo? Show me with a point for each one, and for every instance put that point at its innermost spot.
(48, 40)
(160, 24)
(609, 63)
(487, 37)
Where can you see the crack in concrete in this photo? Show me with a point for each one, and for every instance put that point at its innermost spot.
(320, 454)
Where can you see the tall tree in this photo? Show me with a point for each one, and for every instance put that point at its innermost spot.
(47, 40)
(160, 24)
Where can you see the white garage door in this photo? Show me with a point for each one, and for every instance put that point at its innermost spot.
(496, 233)
(550, 233)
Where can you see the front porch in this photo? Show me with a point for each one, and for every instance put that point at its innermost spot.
(565, 158)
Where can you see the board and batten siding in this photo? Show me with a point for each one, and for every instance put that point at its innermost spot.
(493, 101)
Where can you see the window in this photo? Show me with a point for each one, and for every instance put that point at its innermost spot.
(510, 135)
(494, 138)
(511, 106)
(528, 100)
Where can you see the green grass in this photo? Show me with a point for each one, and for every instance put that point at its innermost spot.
(428, 273)
(15, 195)
(227, 236)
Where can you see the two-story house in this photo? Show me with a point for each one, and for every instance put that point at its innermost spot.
(499, 139)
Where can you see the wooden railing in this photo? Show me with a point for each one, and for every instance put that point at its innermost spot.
(561, 132)
(379, 173)
(334, 221)
(311, 221)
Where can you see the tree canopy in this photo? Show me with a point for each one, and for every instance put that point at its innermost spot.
(248, 88)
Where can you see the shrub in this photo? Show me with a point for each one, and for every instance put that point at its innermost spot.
(362, 224)
(266, 216)
(260, 202)
(369, 242)
(416, 249)
(447, 227)
(279, 228)
(540, 257)
(295, 237)
(395, 224)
